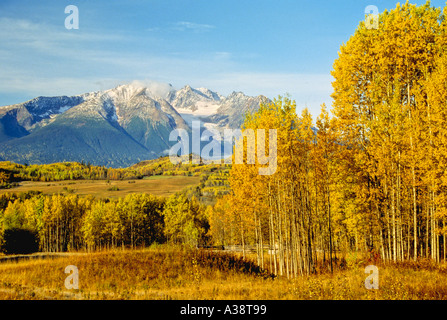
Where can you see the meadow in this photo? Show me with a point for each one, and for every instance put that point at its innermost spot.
(156, 185)
(162, 273)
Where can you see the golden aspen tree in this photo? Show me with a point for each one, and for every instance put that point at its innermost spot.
(324, 156)
(380, 102)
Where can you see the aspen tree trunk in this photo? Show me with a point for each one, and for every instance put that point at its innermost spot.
(431, 194)
(273, 244)
(243, 240)
(382, 249)
(280, 244)
(270, 252)
(279, 231)
(427, 226)
(258, 258)
(443, 239)
(413, 176)
(408, 241)
(330, 228)
(301, 226)
(57, 235)
(272, 234)
(309, 231)
(399, 211)
(261, 244)
(298, 244)
(432, 231)
(294, 247)
(415, 243)
(399, 242)
(393, 210)
(387, 196)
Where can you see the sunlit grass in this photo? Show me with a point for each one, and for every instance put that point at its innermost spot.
(175, 273)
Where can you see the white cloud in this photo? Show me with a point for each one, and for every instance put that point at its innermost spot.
(159, 89)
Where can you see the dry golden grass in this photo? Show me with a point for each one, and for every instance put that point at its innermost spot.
(174, 273)
(159, 186)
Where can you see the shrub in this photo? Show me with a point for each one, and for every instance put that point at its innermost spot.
(21, 241)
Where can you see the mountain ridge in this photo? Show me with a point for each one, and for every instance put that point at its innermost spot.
(116, 127)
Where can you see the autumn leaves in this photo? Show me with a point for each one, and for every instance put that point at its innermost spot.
(278, 211)
(389, 103)
(373, 176)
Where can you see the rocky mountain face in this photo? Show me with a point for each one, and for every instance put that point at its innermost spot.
(116, 127)
(229, 116)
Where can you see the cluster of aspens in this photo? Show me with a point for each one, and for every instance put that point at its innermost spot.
(70, 222)
(371, 177)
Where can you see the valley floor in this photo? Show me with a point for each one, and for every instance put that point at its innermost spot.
(173, 273)
(156, 185)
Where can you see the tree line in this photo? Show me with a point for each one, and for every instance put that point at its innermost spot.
(69, 222)
(12, 173)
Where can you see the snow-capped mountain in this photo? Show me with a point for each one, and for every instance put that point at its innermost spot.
(18, 119)
(199, 101)
(116, 127)
(233, 109)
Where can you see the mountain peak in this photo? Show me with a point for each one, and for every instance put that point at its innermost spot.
(151, 89)
(236, 94)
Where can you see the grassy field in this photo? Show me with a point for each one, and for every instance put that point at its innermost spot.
(157, 185)
(174, 273)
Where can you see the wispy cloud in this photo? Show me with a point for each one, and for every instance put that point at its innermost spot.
(43, 59)
(191, 26)
(26, 38)
(182, 26)
(23, 30)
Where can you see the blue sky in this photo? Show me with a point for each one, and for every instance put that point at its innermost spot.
(257, 47)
